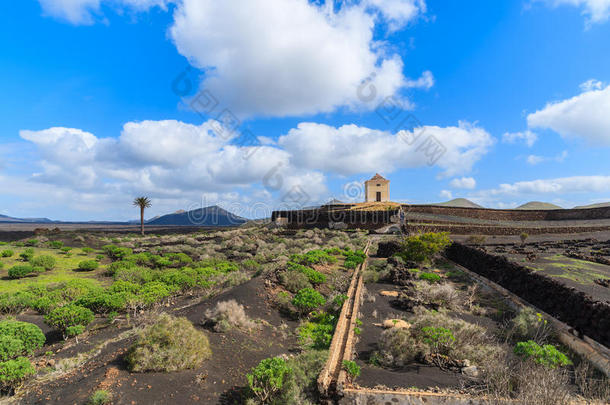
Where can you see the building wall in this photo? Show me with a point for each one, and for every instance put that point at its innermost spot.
(371, 188)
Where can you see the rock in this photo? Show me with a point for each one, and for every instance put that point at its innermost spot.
(471, 371)
(389, 293)
(396, 323)
(388, 249)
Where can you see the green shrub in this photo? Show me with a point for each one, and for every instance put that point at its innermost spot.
(115, 252)
(11, 303)
(56, 244)
(294, 280)
(423, 247)
(87, 250)
(10, 347)
(138, 275)
(30, 336)
(22, 270)
(530, 325)
(314, 277)
(430, 277)
(353, 259)
(440, 339)
(268, 377)
(7, 253)
(31, 242)
(13, 372)
(317, 333)
(27, 254)
(313, 257)
(88, 265)
(308, 299)
(100, 397)
(67, 317)
(47, 262)
(300, 386)
(546, 355)
(66, 249)
(251, 265)
(351, 368)
(151, 293)
(170, 344)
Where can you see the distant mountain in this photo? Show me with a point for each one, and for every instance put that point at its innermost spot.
(208, 216)
(598, 205)
(459, 203)
(6, 218)
(537, 205)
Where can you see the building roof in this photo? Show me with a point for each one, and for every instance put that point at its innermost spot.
(378, 177)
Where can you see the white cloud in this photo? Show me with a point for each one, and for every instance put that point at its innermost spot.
(287, 57)
(558, 186)
(591, 84)
(527, 136)
(351, 149)
(446, 194)
(398, 12)
(464, 182)
(535, 159)
(82, 12)
(583, 116)
(165, 159)
(596, 11)
(426, 81)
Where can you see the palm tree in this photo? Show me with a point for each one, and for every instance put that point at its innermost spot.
(142, 202)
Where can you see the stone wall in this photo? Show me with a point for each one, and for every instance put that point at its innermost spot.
(575, 308)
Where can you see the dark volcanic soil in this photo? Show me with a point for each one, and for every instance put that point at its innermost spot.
(217, 381)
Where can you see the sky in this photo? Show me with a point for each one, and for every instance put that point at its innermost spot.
(257, 105)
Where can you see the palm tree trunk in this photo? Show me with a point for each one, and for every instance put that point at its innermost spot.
(142, 220)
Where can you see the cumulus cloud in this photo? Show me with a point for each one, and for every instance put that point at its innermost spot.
(82, 12)
(351, 149)
(558, 186)
(595, 11)
(583, 116)
(446, 194)
(528, 137)
(175, 161)
(397, 13)
(535, 159)
(165, 159)
(289, 57)
(591, 84)
(464, 182)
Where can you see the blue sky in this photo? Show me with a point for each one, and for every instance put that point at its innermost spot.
(512, 98)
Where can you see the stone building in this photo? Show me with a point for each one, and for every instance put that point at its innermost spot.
(377, 189)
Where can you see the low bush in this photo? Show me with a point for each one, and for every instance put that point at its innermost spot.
(86, 250)
(7, 253)
(23, 270)
(47, 262)
(100, 397)
(423, 247)
(546, 355)
(88, 265)
(70, 319)
(13, 372)
(314, 276)
(115, 252)
(351, 368)
(268, 378)
(317, 333)
(313, 257)
(56, 244)
(300, 385)
(229, 314)
(31, 242)
(27, 254)
(436, 333)
(29, 335)
(353, 259)
(294, 281)
(307, 299)
(443, 295)
(529, 325)
(430, 277)
(170, 344)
